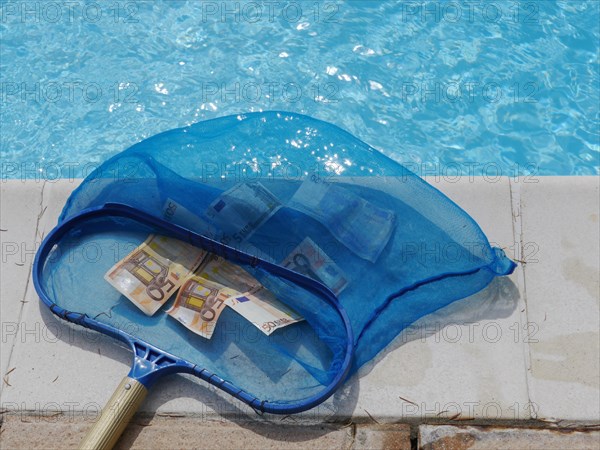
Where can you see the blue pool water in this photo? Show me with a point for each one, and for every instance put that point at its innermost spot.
(507, 87)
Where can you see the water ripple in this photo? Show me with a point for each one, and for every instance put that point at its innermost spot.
(431, 89)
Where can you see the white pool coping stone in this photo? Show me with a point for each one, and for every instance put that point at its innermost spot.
(528, 349)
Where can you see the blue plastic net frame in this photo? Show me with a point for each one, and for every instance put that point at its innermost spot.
(149, 362)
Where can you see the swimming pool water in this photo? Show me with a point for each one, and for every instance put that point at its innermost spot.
(507, 87)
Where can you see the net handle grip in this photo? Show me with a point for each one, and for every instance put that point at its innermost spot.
(115, 416)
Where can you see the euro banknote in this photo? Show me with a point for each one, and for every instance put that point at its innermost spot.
(199, 303)
(262, 308)
(151, 273)
(310, 260)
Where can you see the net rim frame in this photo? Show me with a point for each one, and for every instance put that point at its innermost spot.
(149, 361)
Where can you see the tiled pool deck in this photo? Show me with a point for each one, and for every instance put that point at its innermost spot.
(522, 354)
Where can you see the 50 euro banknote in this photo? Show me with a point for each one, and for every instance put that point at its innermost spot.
(207, 283)
(199, 303)
(247, 296)
(151, 273)
(217, 284)
(262, 308)
(310, 260)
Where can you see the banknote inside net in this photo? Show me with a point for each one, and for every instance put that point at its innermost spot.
(205, 284)
(364, 228)
(151, 273)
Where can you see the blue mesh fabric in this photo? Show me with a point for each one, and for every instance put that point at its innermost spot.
(407, 252)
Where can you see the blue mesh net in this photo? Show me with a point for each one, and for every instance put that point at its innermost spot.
(392, 248)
